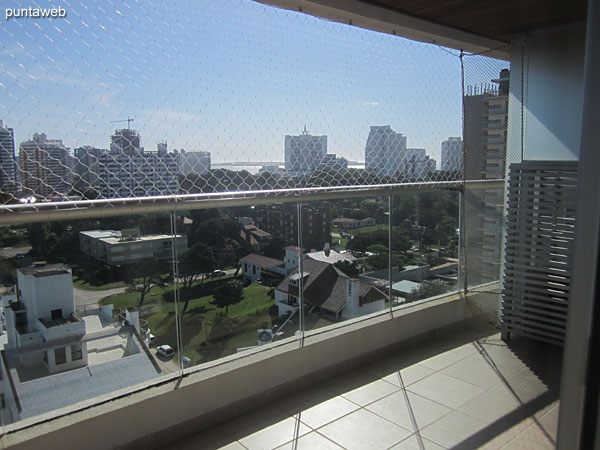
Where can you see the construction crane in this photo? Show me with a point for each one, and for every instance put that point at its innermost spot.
(128, 120)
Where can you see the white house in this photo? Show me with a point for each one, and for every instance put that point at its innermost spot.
(42, 323)
(255, 267)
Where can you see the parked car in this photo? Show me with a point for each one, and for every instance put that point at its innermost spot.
(165, 350)
(219, 273)
(345, 235)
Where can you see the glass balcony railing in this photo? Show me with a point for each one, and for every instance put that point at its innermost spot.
(245, 281)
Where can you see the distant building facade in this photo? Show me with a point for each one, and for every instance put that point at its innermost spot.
(8, 163)
(86, 166)
(281, 220)
(331, 162)
(129, 246)
(452, 151)
(192, 162)
(44, 166)
(304, 153)
(384, 152)
(485, 123)
(417, 165)
(128, 171)
(348, 223)
(126, 141)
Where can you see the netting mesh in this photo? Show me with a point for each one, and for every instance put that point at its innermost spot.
(128, 99)
(489, 141)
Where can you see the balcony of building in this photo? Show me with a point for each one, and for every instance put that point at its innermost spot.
(57, 328)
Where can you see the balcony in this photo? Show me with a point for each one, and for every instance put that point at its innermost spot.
(61, 328)
(461, 387)
(423, 365)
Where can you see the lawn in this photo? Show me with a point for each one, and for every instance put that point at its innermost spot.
(85, 286)
(342, 242)
(207, 333)
(363, 230)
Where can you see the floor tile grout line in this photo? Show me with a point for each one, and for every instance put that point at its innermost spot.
(411, 413)
(330, 440)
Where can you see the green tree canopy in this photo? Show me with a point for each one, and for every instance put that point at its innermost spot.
(196, 262)
(228, 294)
(144, 276)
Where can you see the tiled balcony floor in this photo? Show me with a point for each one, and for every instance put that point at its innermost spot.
(466, 389)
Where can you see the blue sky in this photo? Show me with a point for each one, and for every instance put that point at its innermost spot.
(230, 77)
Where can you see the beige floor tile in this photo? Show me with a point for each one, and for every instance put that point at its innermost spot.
(549, 422)
(444, 389)
(396, 409)
(275, 435)
(467, 349)
(408, 375)
(363, 429)
(490, 406)
(310, 441)
(505, 436)
(442, 360)
(534, 437)
(412, 443)
(452, 429)
(370, 392)
(475, 370)
(327, 411)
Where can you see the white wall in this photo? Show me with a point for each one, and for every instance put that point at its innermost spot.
(283, 308)
(43, 294)
(553, 92)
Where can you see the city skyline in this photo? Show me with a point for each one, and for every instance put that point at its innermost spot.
(233, 83)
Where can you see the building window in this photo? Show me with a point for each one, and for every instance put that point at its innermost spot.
(253, 270)
(245, 267)
(56, 314)
(60, 355)
(76, 352)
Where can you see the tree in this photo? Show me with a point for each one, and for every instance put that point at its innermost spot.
(349, 268)
(228, 294)
(197, 261)
(144, 276)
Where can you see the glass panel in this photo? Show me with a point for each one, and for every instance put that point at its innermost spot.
(344, 242)
(424, 246)
(89, 300)
(227, 280)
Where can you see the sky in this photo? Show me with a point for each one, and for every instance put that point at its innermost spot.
(232, 77)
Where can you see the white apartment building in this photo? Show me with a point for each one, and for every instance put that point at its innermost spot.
(129, 246)
(138, 175)
(304, 153)
(385, 150)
